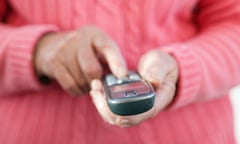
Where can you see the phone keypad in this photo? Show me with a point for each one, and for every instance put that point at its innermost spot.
(130, 93)
(134, 76)
(112, 80)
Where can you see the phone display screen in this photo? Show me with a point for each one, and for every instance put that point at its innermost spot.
(129, 95)
(129, 89)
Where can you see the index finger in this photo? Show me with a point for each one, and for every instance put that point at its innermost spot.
(111, 53)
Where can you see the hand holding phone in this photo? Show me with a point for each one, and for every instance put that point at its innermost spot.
(155, 67)
(130, 95)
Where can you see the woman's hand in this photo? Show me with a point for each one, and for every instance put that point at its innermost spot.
(161, 70)
(74, 58)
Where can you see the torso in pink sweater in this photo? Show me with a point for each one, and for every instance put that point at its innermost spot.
(202, 35)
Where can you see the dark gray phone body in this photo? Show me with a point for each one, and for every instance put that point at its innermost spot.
(128, 96)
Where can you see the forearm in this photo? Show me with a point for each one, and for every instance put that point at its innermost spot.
(16, 57)
(209, 62)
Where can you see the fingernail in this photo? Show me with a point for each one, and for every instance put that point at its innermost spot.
(124, 121)
(111, 122)
(75, 92)
(93, 93)
(122, 72)
(125, 125)
(93, 84)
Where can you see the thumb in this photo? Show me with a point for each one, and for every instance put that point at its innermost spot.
(111, 53)
(152, 71)
(154, 76)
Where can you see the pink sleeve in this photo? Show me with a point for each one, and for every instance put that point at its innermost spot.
(16, 55)
(209, 63)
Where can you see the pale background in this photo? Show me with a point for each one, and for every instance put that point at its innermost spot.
(235, 97)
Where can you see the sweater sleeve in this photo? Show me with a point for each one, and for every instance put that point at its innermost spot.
(16, 54)
(209, 63)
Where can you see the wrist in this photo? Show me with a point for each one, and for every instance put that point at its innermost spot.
(40, 46)
(45, 42)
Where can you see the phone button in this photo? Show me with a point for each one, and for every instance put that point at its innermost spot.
(111, 80)
(134, 76)
(130, 93)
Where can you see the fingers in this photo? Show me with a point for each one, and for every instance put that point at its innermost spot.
(87, 60)
(100, 102)
(71, 63)
(109, 50)
(152, 70)
(165, 95)
(73, 58)
(161, 70)
(155, 66)
(77, 75)
(155, 75)
(65, 79)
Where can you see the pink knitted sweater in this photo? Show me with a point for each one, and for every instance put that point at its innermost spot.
(202, 35)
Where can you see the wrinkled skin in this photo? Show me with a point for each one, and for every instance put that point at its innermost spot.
(75, 60)
(158, 68)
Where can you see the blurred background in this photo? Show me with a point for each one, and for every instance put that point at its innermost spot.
(235, 97)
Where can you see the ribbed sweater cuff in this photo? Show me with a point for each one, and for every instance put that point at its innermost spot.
(20, 56)
(189, 79)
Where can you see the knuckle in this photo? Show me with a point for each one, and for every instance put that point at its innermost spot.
(55, 56)
(110, 121)
(60, 47)
(118, 119)
(81, 81)
(172, 86)
(173, 90)
(86, 30)
(62, 77)
(51, 60)
(93, 72)
(155, 112)
(50, 65)
(74, 36)
(70, 87)
(84, 86)
(87, 27)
